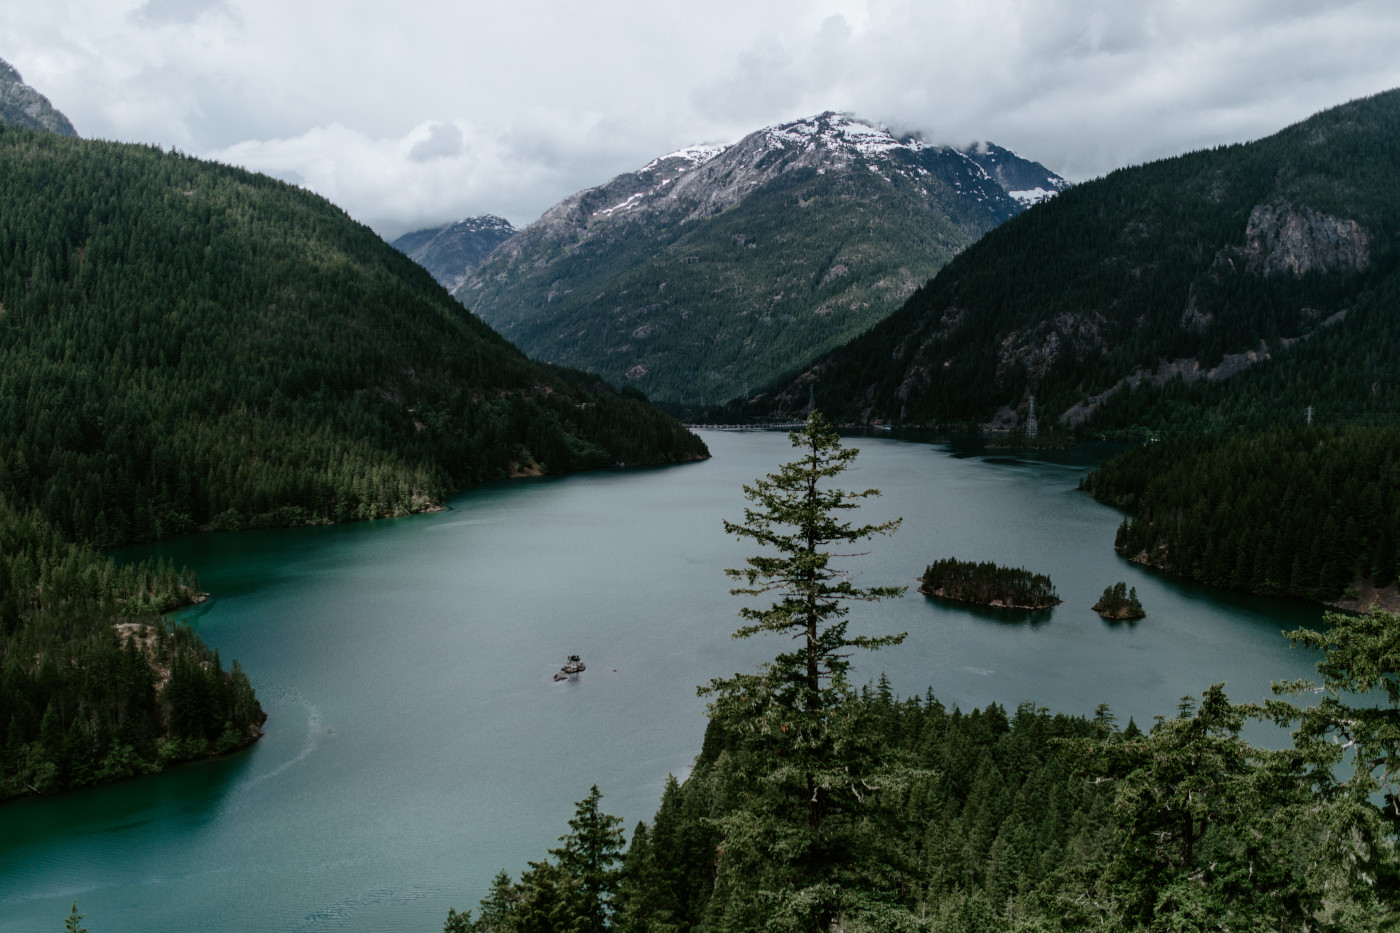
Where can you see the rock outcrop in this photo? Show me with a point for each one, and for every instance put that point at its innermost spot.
(21, 105)
(1283, 238)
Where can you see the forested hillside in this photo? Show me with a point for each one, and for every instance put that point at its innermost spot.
(1237, 285)
(184, 344)
(1305, 512)
(94, 684)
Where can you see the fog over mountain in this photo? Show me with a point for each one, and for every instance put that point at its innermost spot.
(418, 115)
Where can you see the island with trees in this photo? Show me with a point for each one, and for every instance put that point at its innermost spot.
(1119, 603)
(987, 584)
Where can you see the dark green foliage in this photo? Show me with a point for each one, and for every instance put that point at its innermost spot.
(572, 895)
(594, 844)
(983, 817)
(1211, 833)
(1297, 511)
(1361, 656)
(797, 514)
(94, 685)
(72, 924)
(988, 584)
(1119, 602)
(1029, 822)
(797, 707)
(1148, 265)
(184, 344)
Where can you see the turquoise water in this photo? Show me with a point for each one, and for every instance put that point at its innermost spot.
(417, 743)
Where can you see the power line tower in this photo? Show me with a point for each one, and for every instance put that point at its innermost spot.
(1309, 414)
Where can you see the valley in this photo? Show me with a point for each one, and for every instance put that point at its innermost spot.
(415, 476)
(406, 669)
(711, 269)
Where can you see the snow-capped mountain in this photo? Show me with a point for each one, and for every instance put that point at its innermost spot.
(717, 267)
(452, 251)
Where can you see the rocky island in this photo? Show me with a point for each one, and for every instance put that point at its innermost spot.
(986, 584)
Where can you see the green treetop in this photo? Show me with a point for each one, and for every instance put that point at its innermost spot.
(799, 517)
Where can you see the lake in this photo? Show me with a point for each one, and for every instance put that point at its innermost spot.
(417, 743)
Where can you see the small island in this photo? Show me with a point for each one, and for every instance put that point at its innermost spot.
(572, 669)
(988, 585)
(1119, 603)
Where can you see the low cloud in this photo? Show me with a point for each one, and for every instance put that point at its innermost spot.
(180, 12)
(378, 107)
(440, 172)
(444, 141)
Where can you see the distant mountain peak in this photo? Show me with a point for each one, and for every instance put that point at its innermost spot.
(839, 132)
(21, 105)
(712, 267)
(452, 251)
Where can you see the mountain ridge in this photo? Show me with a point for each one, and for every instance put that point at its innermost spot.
(713, 267)
(1218, 287)
(452, 251)
(185, 344)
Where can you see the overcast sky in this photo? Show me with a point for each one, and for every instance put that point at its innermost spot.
(417, 112)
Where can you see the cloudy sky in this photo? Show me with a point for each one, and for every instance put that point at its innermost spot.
(419, 112)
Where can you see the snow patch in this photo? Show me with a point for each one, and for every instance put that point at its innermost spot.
(1033, 196)
(841, 132)
(695, 155)
(626, 205)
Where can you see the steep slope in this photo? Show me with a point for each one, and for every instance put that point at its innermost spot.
(713, 269)
(186, 344)
(451, 252)
(21, 105)
(1238, 285)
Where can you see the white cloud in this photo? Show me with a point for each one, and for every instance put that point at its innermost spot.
(423, 112)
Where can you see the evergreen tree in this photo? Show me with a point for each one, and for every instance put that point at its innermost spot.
(591, 849)
(800, 731)
(798, 515)
(1352, 749)
(71, 925)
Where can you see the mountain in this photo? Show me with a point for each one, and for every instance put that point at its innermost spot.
(1240, 285)
(715, 268)
(452, 251)
(21, 105)
(184, 344)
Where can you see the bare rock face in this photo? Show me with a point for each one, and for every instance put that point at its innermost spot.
(21, 105)
(1283, 238)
